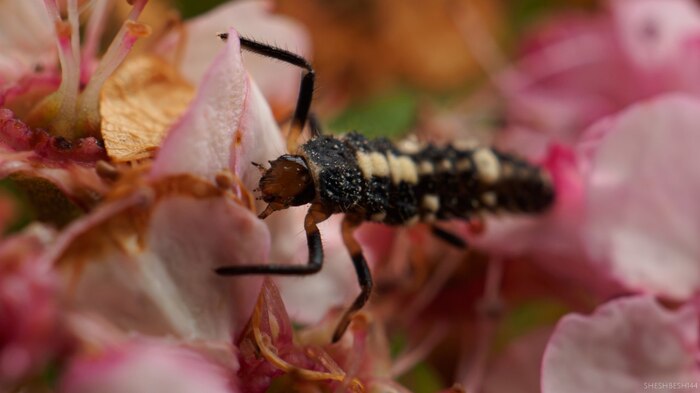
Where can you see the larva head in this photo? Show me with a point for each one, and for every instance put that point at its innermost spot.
(287, 183)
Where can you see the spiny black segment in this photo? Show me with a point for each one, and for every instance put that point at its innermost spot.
(455, 188)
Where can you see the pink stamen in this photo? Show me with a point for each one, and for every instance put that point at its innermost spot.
(74, 21)
(52, 9)
(93, 33)
(117, 51)
(68, 90)
(66, 97)
(472, 367)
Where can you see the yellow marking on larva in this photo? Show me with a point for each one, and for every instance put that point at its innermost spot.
(365, 163)
(411, 221)
(409, 145)
(394, 167)
(487, 165)
(409, 172)
(507, 170)
(426, 168)
(489, 198)
(378, 217)
(465, 144)
(464, 165)
(402, 169)
(431, 202)
(380, 166)
(445, 165)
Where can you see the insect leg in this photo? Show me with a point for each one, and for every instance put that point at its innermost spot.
(449, 237)
(306, 89)
(313, 241)
(364, 277)
(315, 126)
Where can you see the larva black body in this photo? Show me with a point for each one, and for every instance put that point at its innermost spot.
(376, 180)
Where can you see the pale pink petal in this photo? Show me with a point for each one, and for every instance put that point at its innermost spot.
(144, 366)
(202, 141)
(229, 128)
(260, 138)
(642, 193)
(653, 33)
(26, 39)
(191, 238)
(625, 344)
(252, 19)
(168, 286)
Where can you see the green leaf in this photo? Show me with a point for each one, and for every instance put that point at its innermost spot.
(189, 9)
(525, 13)
(23, 214)
(387, 115)
(528, 316)
(422, 379)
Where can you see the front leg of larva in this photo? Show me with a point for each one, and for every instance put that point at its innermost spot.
(315, 261)
(364, 277)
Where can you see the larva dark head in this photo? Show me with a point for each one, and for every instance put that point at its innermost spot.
(288, 182)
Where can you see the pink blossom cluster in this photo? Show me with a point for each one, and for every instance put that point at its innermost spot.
(609, 103)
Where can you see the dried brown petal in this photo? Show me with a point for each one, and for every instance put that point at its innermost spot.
(139, 104)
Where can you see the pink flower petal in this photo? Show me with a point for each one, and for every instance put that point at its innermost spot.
(253, 19)
(227, 126)
(202, 141)
(642, 194)
(142, 366)
(653, 32)
(192, 238)
(578, 69)
(27, 38)
(571, 74)
(624, 345)
(168, 285)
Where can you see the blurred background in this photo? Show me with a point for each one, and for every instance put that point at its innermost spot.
(381, 64)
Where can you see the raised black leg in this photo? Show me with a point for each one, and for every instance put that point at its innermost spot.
(306, 89)
(313, 241)
(364, 277)
(449, 237)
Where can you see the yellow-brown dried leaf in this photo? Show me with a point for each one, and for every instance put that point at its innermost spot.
(139, 104)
